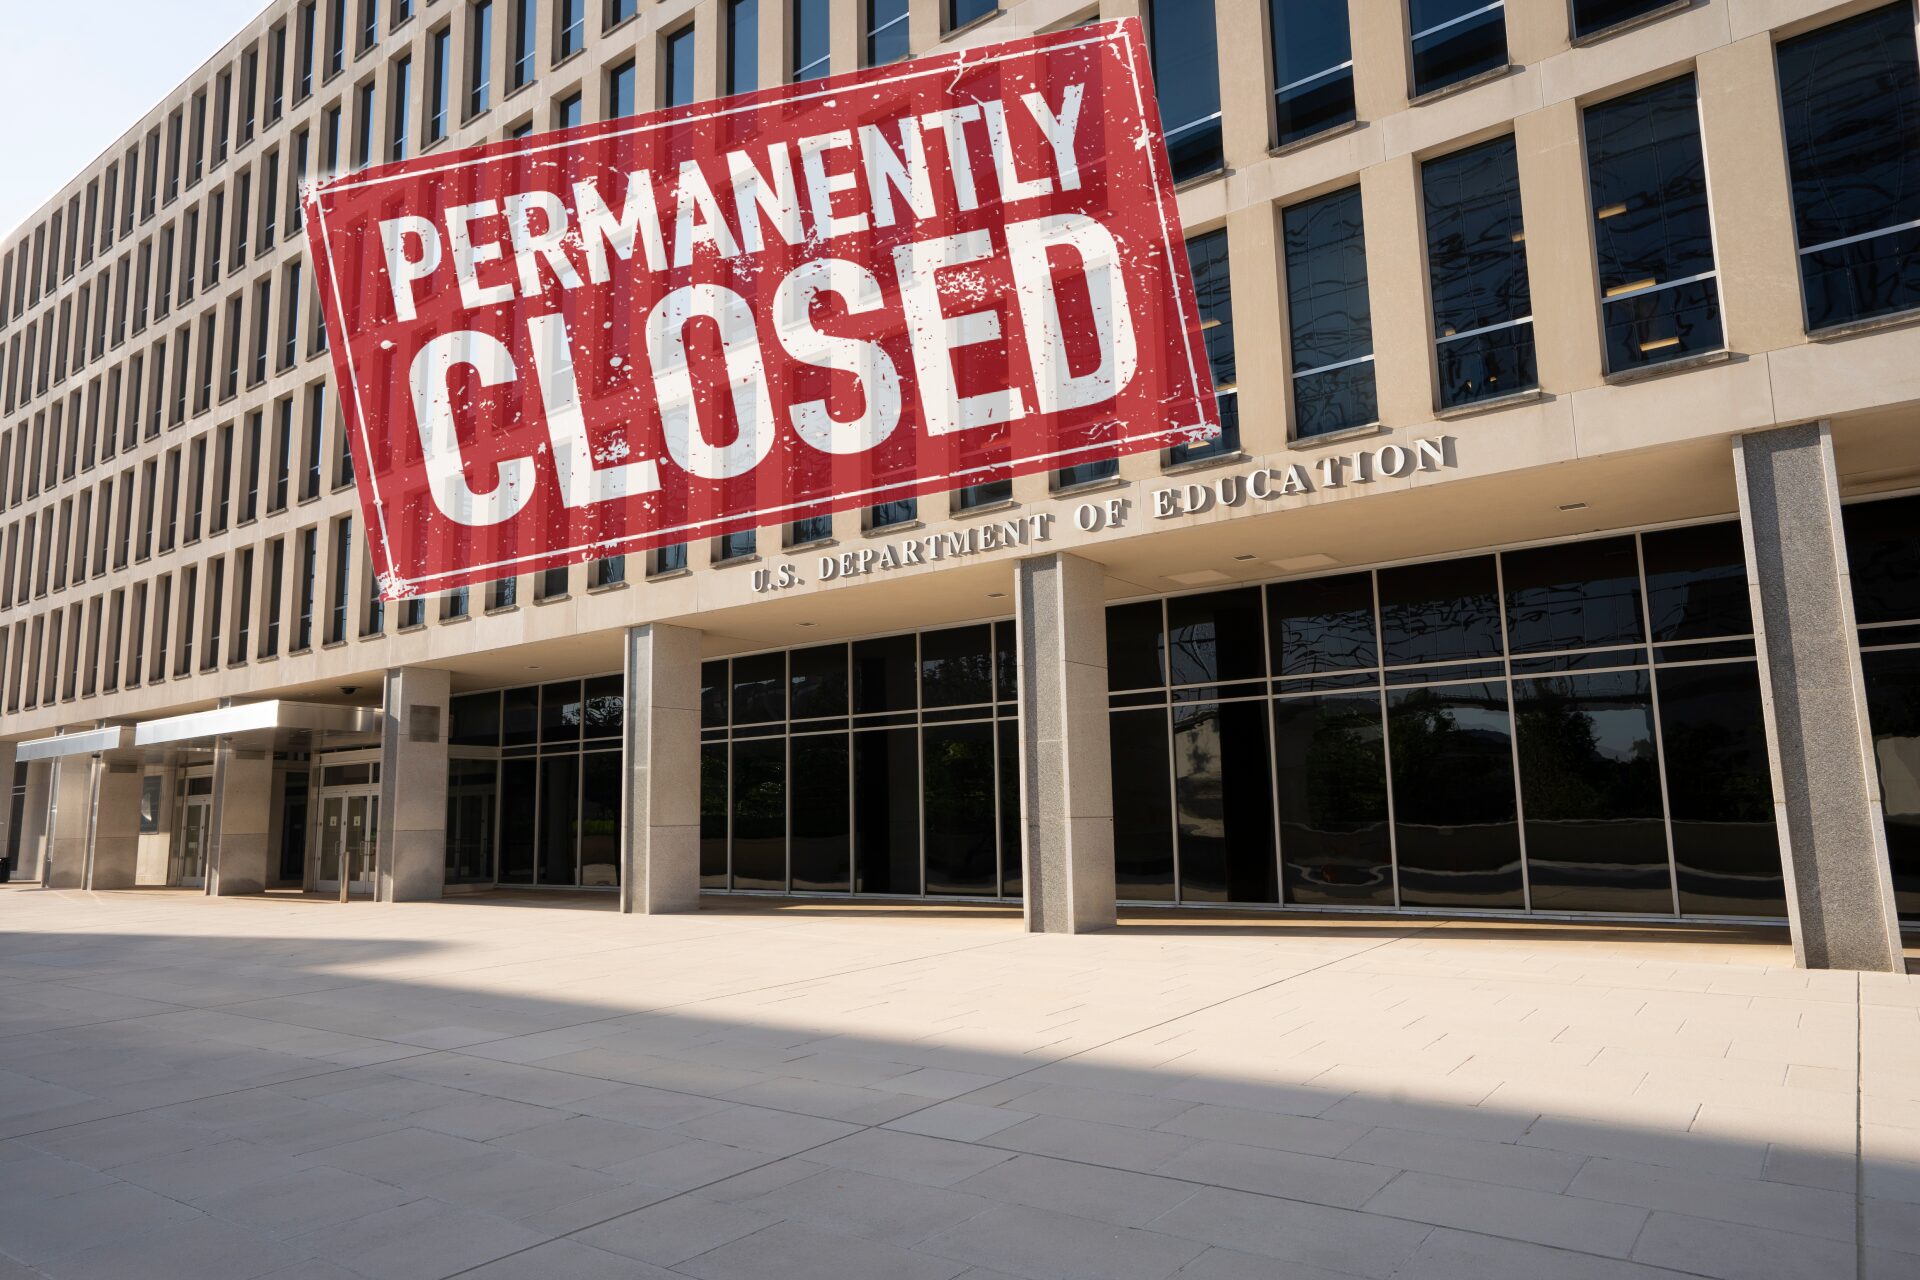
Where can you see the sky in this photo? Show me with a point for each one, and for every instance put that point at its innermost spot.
(75, 76)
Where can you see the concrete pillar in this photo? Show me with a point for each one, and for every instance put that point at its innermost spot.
(68, 809)
(1826, 796)
(242, 813)
(116, 826)
(34, 820)
(660, 811)
(410, 863)
(1066, 783)
(6, 801)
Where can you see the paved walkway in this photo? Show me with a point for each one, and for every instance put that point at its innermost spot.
(504, 1087)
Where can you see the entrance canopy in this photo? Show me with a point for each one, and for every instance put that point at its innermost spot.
(274, 725)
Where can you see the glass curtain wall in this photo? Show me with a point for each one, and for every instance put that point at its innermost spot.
(885, 766)
(533, 786)
(1883, 553)
(1574, 728)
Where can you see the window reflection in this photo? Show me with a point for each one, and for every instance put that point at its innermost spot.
(1455, 40)
(1725, 846)
(1329, 315)
(1477, 263)
(1440, 612)
(1454, 809)
(1312, 67)
(1850, 97)
(1579, 596)
(1213, 291)
(1223, 787)
(1660, 294)
(1590, 16)
(1186, 75)
(1330, 760)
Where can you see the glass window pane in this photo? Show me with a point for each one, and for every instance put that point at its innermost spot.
(473, 720)
(1312, 66)
(519, 779)
(961, 12)
(1850, 101)
(886, 811)
(1440, 612)
(1697, 582)
(1329, 315)
(1321, 624)
(713, 815)
(886, 31)
(1330, 760)
(1883, 558)
(1213, 292)
(1215, 636)
(1012, 835)
(472, 796)
(884, 673)
(1719, 792)
(560, 711)
(1590, 16)
(760, 814)
(1134, 646)
(604, 714)
(521, 719)
(1186, 75)
(1142, 805)
(818, 681)
(811, 39)
(1648, 177)
(559, 819)
(600, 818)
(760, 688)
(1006, 665)
(1590, 787)
(1223, 786)
(962, 837)
(822, 840)
(677, 82)
(714, 687)
(743, 46)
(1454, 40)
(1893, 705)
(1477, 260)
(956, 666)
(1454, 812)
(1579, 595)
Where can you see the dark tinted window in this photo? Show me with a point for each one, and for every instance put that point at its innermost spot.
(676, 87)
(1850, 96)
(1134, 646)
(1580, 595)
(956, 666)
(1719, 792)
(604, 713)
(884, 674)
(886, 31)
(1312, 67)
(961, 12)
(1893, 704)
(812, 39)
(1454, 811)
(760, 813)
(961, 829)
(1215, 636)
(1438, 612)
(1322, 624)
(473, 720)
(560, 711)
(1697, 582)
(1331, 766)
(1142, 805)
(1590, 16)
(760, 688)
(1883, 557)
(559, 819)
(818, 679)
(1186, 75)
(1223, 793)
(1328, 312)
(743, 45)
(520, 721)
(822, 840)
(713, 694)
(1477, 264)
(886, 811)
(1454, 40)
(1660, 300)
(1213, 290)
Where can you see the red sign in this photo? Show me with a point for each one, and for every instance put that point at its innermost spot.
(752, 310)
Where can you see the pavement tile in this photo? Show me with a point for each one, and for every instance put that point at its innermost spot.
(1320, 1236)
(567, 1260)
(848, 1202)
(421, 1240)
(1286, 1174)
(302, 1201)
(1035, 1242)
(934, 1161)
(790, 1251)
(1504, 1163)
(674, 1230)
(1461, 1255)
(1084, 1140)
(1731, 1251)
(1757, 1203)
(198, 1248)
(961, 1121)
(1086, 1191)
(587, 1141)
(1588, 1226)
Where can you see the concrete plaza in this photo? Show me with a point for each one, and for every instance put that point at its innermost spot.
(510, 1086)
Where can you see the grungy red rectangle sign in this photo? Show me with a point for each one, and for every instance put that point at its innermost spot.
(761, 308)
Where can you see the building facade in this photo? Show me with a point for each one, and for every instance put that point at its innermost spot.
(1561, 556)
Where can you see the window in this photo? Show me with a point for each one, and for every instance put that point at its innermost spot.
(618, 11)
(812, 39)
(570, 27)
(1312, 67)
(552, 584)
(276, 73)
(813, 529)
(250, 491)
(330, 127)
(1329, 315)
(743, 46)
(1087, 473)
(342, 575)
(503, 593)
(526, 16)
(1213, 289)
(440, 60)
(620, 82)
(671, 558)
(336, 35)
(276, 569)
(1850, 94)
(282, 453)
(269, 202)
(316, 438)
(1591, 16)
(369, 24)
(296, 174)
(290, 322)
(607, 572)
(1477, 260)
(734, 546)
(480, 58)
(303, 624)
(886, 31)
(962, 13)
(986, 494)
(1455, 40)
(399, 89)
(303, 64)
(453, 604)
(1660, 298)
(566, 112)
(363, 126)
(676, 78)
(1186, 74)
(249, 94)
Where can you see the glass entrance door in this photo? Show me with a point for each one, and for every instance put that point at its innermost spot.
(189, 860)
(348, 823)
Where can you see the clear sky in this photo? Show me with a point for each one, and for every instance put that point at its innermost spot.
(76, 75)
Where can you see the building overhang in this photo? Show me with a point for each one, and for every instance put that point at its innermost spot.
(275, 725)
(85, 743)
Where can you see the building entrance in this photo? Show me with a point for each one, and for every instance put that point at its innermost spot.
(192, 829)
(347, 833)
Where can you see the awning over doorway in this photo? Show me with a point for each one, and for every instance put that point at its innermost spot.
(84, 743)
(272, 725)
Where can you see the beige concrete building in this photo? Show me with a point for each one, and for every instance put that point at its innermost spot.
(1558, 559)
